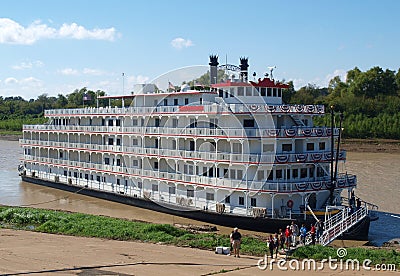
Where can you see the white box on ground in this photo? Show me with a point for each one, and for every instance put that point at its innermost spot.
(222, 250)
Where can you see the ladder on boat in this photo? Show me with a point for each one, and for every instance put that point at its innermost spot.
(338, 224)
(297, 120)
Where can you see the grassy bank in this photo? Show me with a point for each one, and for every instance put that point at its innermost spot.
(377, 256)
(77, 224)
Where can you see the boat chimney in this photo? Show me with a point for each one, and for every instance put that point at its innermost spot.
(244, 66)
(213, 68)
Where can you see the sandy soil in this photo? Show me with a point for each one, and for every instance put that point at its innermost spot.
(24, 252)
(10, 137)
(371, 145)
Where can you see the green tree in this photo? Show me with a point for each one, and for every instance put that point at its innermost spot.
(205, 78)
(62, 101)
(288, 93)
(373, 83)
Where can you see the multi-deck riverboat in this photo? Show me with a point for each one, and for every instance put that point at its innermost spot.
(232, 154)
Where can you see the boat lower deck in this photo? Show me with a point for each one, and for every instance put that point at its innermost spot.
(259, 224)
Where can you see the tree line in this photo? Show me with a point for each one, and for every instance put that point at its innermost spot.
(16, 111)
(370, 102)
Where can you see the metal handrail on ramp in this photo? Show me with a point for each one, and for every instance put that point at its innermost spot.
(335, 226)
(338, 224)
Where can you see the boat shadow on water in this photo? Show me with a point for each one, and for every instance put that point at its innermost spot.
(384, 229)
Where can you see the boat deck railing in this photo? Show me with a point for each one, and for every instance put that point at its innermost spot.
(371, 206)
(186, 179)
(342, 223)
(339, 224)
(217, 156)
(207, 108)
(221, 131)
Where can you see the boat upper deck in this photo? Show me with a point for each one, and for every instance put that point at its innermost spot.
(213, 108)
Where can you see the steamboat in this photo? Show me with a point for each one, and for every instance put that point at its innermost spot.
(231, 153)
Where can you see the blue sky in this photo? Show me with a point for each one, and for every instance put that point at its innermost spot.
(56, 47)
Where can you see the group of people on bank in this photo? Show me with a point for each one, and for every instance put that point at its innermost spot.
(291, 237)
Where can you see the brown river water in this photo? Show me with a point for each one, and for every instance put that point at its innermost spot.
(378, 183)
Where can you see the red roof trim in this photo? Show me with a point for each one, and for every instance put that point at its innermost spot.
(267, 82)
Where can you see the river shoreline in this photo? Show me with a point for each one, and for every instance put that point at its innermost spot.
(26, 252)
(371, 145)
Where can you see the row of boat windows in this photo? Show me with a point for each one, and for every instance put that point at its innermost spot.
(236, 174)
(157, 122)
(175, 102)
(154, 188)
(236, 147)
(274, 174)
(250, 91)
(224, 172)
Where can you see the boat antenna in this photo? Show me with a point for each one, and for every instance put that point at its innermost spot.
(123, 83)
(332, 189)
(338, 144)
(226, 65)
(271, 68)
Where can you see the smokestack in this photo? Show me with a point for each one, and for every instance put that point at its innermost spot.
(244, 66)
(213, 68)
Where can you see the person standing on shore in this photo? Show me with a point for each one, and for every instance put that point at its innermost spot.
(276, 243)
(236, 241)
(312, 231)
(281, 239)
(271, 246)
(303, 234)
(288, 236)
(294, 228)
(231, 242)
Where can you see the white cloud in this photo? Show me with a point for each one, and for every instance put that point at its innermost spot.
(299, 83)
(29, 87)
(341, 47)
(27, 65)
(30, 84)
(79, 32)
(320, 82)
(31, 81)
(179, 43)
(10, 80)
(12, 32)
(93, 72)
(85, 71)
(68, 72)
(338, 72)
(132, 80)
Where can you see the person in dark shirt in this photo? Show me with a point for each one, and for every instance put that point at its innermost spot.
(358, 203)
(271, 246)
(236, 240)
